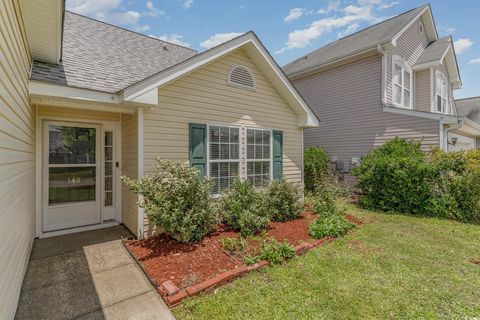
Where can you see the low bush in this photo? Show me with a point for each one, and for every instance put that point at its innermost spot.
(243, 208)
(329, 226)
(316, 165)
(176, 200)
(283, 201)
(272, 251)
(324, 203)
(233, 244)
(399, 177)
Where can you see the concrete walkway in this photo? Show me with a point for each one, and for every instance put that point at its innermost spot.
(87, 275)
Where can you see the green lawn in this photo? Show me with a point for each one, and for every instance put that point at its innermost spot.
(396, 267)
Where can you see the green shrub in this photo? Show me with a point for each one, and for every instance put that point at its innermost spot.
(243, 208)
(400, 177)
(283, 201)
(272, 251)
(395, 177)
(316, 163)
(324, 203)
(233, 244)
(176, 200)
(329, 226)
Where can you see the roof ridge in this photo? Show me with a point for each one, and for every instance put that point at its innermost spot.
(128, 30)
(355, 33)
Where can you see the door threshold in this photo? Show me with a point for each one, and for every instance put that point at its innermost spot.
(49, 234)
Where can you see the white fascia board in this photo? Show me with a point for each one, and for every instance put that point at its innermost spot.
(150, 97)
(421, 114)
(54, 90)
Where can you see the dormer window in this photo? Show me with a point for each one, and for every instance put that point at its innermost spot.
(441, 93)
(241, 76)
(402, 84)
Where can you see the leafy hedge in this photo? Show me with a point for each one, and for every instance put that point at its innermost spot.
(399, 177)
(316, 162)
(176, 200)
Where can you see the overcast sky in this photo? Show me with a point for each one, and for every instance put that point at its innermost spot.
(289, 29)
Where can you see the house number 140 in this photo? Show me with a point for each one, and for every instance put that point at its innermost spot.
(73, 180)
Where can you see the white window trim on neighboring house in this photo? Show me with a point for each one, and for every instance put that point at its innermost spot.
(242, 161)
(444, 96)
(405, 68)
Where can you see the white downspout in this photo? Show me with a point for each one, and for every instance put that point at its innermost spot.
(447, 130)
(140, 162)
(381, 51)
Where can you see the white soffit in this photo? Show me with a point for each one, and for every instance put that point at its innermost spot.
(44, 24)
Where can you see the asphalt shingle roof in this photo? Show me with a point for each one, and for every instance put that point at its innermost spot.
(434, 51)
(469, 107)
(368, 38)
(103, 57)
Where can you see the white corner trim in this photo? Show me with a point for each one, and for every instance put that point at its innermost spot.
(140, 167)
(55, 90)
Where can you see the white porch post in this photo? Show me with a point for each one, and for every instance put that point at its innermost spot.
(140, 212)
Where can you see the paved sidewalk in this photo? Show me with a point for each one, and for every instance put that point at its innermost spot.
(87, 275)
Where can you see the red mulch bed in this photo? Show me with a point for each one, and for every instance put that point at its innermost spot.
(164, 258)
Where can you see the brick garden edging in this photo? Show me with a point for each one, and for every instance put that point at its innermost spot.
(173, 295)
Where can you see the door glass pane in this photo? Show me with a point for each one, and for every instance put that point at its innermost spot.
(71, 185)
(71, 145)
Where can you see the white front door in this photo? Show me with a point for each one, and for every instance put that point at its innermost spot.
(72, 191)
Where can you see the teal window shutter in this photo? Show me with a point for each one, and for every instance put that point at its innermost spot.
(277, 155)
(198, 147)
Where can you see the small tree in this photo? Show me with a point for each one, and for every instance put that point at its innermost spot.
(176, 200)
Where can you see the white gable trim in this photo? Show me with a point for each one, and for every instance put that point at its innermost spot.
(429, 27)
(306, 117)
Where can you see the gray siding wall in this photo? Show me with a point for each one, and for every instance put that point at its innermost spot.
(348, 101)
(17, 158)
(422, 91)
(410, 46)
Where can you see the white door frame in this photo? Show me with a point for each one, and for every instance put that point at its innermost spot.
(111, 125)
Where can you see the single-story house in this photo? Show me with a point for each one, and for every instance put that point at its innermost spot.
(84, 102)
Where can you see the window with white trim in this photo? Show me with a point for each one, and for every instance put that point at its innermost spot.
(402, 85)
(441, 93)
(259, 156)
(236, 152)
(224, 156)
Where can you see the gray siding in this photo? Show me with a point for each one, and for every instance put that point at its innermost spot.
(422, 91)
(410, 46)
(17, 158)
(348, 100)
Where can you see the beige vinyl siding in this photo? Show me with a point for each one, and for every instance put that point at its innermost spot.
(409, 46)
(348, 100)
(129, 169)
(17, 158)
(422, 91)
(203, 97)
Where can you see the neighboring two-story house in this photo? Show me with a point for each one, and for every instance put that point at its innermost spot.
(470, 108)
(393, 79)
